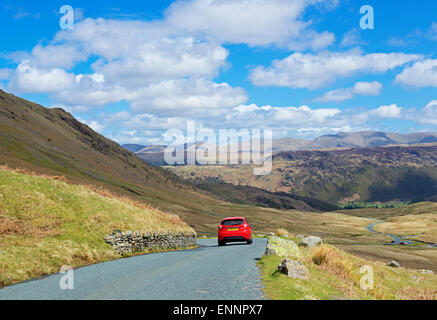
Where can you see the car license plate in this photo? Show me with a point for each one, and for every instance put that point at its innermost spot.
(234, 229)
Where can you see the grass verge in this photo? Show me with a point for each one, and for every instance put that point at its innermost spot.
(46, 223)
(335, 275)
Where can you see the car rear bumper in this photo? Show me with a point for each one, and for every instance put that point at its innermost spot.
(235, 238)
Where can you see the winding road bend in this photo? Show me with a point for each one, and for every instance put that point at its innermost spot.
(210, 272)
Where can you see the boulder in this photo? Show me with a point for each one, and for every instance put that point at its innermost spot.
(393, 264)
(294, 269)
(281, 247)
(310, 242)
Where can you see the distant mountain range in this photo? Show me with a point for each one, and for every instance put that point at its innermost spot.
(154, 155)
(378, 174)
(354, 140)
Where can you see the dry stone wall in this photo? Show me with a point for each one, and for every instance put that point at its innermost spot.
(130, 242)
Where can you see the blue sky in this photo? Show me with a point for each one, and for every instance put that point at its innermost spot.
(134, 69)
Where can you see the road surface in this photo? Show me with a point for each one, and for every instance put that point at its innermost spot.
(210, 272)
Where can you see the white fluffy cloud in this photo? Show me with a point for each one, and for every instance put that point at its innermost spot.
(88, 92)
(429, 114)
(166, 64)
(168, 74)
(314, 71)
(194, 96)
(5, 73)
(256, 23)
(56, 56)
(361, 88)
(290, 118)
(420, 74)
(368, 88)
(352, 38)
(30, 79)
(392, 111)
(164, 59)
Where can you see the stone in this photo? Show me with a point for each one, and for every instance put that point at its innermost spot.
(393, 264)
(281, 247)
(137, 242)
(300, 236)
(310, 242)
(294, 269)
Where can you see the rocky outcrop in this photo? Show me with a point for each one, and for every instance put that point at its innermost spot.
(393, 264)
(283, 248)
(310, 242)
(294, 269)
(131, 242)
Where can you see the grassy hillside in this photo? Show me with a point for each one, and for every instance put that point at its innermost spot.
(260, 197)
(46, 223)
(366, 175)
(335, 275)
(51, 141)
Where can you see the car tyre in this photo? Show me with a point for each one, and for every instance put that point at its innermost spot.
(221, 243)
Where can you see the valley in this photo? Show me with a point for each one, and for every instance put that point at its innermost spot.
(51, 144)
(382, 174)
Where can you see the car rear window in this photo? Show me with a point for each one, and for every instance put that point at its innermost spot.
(237, 222)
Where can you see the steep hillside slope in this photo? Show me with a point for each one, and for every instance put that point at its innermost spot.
(262, 198)
(46, 223)
(36, 137)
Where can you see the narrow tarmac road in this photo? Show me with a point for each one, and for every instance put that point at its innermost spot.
(207, 273)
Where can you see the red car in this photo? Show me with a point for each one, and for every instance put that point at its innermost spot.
(234, 230)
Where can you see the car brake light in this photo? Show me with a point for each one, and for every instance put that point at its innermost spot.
(220, 227)
(245, 226)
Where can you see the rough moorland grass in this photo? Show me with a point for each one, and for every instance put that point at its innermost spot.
(422, 226)
(281, 232)
(46, 223)
(335, 274)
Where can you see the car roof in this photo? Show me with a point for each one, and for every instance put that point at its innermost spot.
(234, 218)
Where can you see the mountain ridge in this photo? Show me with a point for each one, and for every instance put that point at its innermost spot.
(154, 154)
